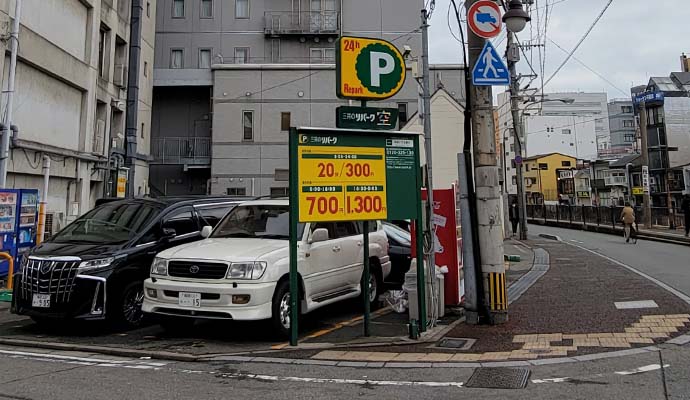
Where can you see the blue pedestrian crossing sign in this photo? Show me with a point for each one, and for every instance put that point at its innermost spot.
(489, 69)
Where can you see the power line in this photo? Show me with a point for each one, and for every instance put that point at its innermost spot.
(582, 39)
(590, 69)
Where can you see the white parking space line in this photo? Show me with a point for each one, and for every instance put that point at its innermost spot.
(640, 370)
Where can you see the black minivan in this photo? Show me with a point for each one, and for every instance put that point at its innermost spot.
(94, 268)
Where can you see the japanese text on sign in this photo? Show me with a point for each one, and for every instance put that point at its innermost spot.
(341, 183)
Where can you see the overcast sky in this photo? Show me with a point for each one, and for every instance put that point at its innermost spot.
(635, 39)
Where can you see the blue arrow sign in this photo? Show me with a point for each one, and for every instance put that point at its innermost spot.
(489, 69)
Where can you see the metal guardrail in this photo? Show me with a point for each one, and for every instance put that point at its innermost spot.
(181, 150)
(599, 216)
(300, 23)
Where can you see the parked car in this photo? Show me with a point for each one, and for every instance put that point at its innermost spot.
(241, 272)
(94, 268)
(400, 243)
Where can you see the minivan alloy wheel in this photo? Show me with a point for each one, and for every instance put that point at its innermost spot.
(285, 310)
(131, 305)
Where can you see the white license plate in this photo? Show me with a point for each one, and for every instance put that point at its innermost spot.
(41, 301)
(189, 299)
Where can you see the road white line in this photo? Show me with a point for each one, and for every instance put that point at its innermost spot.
(640, 370)
(83, 360)
(551, 380)
(275, 378)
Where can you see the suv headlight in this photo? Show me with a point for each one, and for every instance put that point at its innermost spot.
(159, 266)
(247, 270)
(96, 264)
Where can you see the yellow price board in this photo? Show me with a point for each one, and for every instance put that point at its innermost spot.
(341, 183)
(368, 69)
(638, 191)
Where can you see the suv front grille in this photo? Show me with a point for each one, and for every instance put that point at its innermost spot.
(197, 270)
(46, 276)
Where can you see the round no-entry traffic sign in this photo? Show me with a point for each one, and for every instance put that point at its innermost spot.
(484, 18)
(518, 159)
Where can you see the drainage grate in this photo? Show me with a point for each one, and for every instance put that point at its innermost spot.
(499, 378)
(456, 343)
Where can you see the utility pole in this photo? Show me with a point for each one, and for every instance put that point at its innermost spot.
(646, 204)
(426, 117)
(488, 197)
(513, 56)
(5, 141)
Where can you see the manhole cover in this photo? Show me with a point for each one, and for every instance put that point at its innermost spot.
(499, 378)
(456, 343)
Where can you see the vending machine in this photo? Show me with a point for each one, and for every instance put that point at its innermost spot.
(18, 218)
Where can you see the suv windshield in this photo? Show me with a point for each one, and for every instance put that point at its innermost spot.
(110, 223)
(257, 221)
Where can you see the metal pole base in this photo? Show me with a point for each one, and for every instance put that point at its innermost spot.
(471, 317)
(498, 317)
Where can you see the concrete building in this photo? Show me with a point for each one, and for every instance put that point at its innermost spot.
(70, 98)
(570, 135)
(231, 77)
(667, 102)
(592, 105)
(622, 124)
(549, 178)
(447, 122)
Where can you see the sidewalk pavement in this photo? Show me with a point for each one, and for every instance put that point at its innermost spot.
(584, 304)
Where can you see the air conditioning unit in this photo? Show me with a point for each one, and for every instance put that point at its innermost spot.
(120, 75)
(98, 137)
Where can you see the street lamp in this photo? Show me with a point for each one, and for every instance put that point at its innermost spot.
(516, 18)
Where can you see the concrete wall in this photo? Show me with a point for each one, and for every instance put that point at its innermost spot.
(63, 22)
(307, 92)
(593, 105)
(677, 118)
(570, 135)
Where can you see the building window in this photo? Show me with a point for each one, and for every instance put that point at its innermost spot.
(282, 175)
(565, 163)
(176, 58)
(514, 179)
(627, 109)
(280, 192)
(102, 53)
(544, 166)
(142, 130)
(248, 125)
(178, 9)
(148, 9)
(628, 123)
(629, 138)
(285, 121)
(275, 50)
(512, 147)
(236, 191)
(565, 131)
(206, 9)
(402, 114)
(242, 9)
(241, 55)
(204, 58)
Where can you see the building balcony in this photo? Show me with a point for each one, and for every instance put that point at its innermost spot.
(616, 181)
(187, 151)
(308, 23)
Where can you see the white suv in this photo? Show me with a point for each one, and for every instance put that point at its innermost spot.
(240, 271)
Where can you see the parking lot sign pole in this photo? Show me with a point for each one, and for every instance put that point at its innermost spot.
(294, 211)
(366, 277)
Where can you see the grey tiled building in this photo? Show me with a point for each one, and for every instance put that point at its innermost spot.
(622, 124)
(231, 76)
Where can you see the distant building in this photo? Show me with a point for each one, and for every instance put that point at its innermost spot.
(549, 179)
(667, 104)
(570, 135)
(622, 124)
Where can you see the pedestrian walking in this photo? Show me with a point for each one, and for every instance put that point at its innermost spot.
(628, 218)
(514, 215)
(685, 207)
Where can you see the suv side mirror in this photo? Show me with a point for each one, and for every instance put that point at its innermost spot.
(168, 233)
(319, 235)
(206, 231)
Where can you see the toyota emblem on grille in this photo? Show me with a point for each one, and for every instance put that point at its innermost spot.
(194, 269)
(46, 266)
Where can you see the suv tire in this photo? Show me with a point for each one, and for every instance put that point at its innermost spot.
(280, 309)
(375, 285)
(126, 312)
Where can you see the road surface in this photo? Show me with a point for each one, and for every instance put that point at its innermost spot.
(669, 263)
